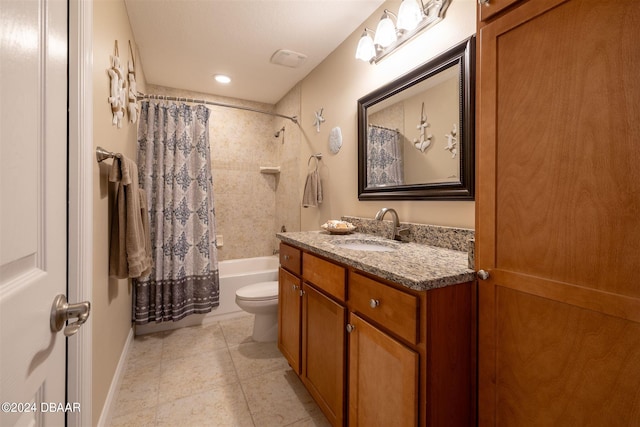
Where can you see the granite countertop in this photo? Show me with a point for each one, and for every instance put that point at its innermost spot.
(416, 266)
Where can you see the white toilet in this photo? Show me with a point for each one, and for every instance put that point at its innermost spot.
(261, 299)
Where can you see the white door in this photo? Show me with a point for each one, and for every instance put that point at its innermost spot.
(33, 224)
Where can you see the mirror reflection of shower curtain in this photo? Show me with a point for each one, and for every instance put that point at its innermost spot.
(385, 164)
(174, 162)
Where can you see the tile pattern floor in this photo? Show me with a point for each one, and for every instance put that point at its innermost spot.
(213, 375)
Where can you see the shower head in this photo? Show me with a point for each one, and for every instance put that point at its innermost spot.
(277, 134)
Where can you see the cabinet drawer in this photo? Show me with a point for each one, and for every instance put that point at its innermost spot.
(290, 258)
(392, 308)
(324, 275)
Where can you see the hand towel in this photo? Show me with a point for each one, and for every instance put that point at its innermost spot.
(130, 246)
(312, 195)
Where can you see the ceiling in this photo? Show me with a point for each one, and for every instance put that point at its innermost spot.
(184, 43)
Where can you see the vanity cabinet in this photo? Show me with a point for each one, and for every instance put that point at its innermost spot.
(407, 360)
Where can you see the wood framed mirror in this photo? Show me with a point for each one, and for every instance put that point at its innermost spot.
(416, 136)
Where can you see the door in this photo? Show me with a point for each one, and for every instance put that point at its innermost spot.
(557, 215)
(383, 378)
(33, 236)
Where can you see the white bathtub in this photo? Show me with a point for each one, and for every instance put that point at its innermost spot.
(234, 274)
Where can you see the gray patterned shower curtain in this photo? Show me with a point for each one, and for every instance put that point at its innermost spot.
(385, 162)
(174, 163)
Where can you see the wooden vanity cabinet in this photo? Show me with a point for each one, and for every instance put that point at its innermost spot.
(407, 361)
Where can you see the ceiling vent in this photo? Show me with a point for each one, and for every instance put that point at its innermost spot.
(288, 58)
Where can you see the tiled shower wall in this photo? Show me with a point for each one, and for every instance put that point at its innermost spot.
(250, 206)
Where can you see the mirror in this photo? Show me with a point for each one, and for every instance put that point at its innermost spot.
(416, 134)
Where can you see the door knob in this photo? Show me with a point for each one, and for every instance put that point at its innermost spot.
(61, 311)
(483, 275)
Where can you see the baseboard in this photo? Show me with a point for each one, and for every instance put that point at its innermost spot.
(107, 409)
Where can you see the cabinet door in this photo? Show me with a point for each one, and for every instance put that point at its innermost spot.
(557, 214)
(289, 318)
(383, 378)
(323, 354)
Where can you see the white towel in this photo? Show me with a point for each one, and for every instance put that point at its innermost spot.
(312, 195)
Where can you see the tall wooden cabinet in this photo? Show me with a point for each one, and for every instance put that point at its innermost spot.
(558, 212)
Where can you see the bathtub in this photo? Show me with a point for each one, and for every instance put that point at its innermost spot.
(234, 274)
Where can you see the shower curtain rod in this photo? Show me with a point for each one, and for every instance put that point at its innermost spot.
(141, 96)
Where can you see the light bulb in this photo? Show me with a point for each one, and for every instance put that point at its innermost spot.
(385, 32)
(366, 50)
(409, 15)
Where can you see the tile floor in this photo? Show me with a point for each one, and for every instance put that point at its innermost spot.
(213, 375)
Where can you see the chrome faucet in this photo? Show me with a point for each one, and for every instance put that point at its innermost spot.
(399, 233)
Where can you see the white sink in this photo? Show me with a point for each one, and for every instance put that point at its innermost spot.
(367, 245)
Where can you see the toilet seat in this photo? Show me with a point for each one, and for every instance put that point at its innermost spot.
(262, 291)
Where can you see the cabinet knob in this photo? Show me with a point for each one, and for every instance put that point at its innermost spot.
(294, 287)
(484, 2)
(373, 303)
(286, 257)
(350, 327)
(301, 292)
(483, 275)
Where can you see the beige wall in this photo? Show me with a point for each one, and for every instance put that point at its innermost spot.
(336, 85)
(111, 305)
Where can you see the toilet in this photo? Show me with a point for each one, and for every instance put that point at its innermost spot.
(261, 299)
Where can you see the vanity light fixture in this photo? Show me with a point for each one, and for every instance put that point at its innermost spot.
(414, 16)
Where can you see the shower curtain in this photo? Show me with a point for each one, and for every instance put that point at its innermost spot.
(385, 164)
(174, 164)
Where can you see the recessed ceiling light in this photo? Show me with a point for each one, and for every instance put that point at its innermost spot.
(221, 78)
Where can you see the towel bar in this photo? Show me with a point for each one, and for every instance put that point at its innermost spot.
(317, 156)
(102, 154)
